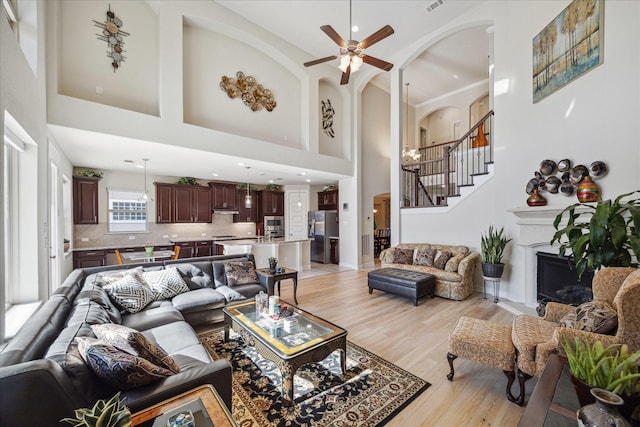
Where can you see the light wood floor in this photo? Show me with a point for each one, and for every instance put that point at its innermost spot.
(415, 338)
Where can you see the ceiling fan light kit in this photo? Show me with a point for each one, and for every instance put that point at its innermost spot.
(352, 52)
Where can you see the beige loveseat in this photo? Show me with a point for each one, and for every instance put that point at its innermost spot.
(454, 281)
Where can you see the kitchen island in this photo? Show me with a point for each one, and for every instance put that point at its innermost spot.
(294, 253)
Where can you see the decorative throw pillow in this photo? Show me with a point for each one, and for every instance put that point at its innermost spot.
(592, 316)
(107, 277)
(441, 259)
(425, 257)
(133, 342)
(403, 256)
(454, 262)
(118, 368)
(165, 283)
(130, 292)
(240, 273)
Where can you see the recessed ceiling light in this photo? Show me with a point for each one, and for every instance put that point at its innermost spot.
(240, 164)
(308, 180)
(140, 166)
(271, 181)
(214, 174)
(355, 28)
(455, 76)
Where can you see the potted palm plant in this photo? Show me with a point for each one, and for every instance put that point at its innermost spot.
(602, 235)
(492, 246)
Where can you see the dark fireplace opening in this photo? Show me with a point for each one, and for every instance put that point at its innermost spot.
(558, 281)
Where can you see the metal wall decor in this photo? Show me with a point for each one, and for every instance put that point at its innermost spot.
(562, 178)
(254, 95)
(327, 118)
(112, 34)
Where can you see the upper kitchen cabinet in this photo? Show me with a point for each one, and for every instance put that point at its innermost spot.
(85, 200)
(328, 200)
(247, 214)
(224, 196)
(177, 203)
(272, 203)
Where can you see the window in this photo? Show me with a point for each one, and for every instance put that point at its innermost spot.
(127, 211)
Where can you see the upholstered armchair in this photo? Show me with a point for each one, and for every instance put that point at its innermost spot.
(536, 338)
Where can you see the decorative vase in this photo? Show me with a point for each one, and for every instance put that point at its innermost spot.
(587, 190)
(148, 250)
(272, 267)
(536, 199)
(603, 412)
(481, 140)
(630, 408)
(66, 246)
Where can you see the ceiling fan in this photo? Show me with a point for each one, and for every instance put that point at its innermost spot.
(352, 52)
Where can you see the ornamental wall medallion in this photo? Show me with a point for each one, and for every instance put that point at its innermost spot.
(112, 34)
(327, 118)
(254, 95)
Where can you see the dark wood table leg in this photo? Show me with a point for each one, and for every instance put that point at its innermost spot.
(295, 288)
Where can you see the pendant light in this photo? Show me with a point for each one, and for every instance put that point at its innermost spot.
(247, 197)
(299, 200)
(145, 196)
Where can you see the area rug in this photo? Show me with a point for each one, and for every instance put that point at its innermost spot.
(369, 394)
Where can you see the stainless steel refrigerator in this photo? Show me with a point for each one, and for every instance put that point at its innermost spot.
(322, 226)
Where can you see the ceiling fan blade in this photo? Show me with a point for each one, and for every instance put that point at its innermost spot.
(377, 62)
(333, 34)
(320, 61)
(382, 33)
(345, 76)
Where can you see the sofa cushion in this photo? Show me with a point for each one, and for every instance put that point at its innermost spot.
(119, 368)
(441, 259)
(166, 283)
(593, 316)
(175, 338)
(133, 342)
(198, 300)
(98, 295)
(87, 311)
(230, 294)
(240, 273)
(155, 314)
(196, 275)
(425, 257)
(108, 277)
(130, 292)
(403, 256)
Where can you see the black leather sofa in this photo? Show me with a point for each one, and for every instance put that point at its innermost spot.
(43, 378)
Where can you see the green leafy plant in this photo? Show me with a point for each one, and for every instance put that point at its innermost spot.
(612, 368)
(272, 187)
(90, 173)
(189, 180)
(272, 261)
(492, 245)
(244, 185)
(66, 241)
(604, 235)
(111, 413)
(330, 187)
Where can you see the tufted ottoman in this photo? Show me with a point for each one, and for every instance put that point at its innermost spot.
(408, 283)
(485, 342)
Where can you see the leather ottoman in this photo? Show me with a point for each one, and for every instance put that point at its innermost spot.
(412, 284)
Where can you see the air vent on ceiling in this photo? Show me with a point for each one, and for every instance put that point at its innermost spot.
(434, 5)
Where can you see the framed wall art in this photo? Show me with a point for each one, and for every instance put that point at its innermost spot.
(571, 45)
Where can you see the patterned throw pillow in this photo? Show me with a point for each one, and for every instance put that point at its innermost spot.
(425, 257)
(240, 273)
(592, 316)
(108, 277)
(454, 262)
(130, 292)
(441, 260)
(134, 343)
(403, 256)
(166, 283)
(118, 368)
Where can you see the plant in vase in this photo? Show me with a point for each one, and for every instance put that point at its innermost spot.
(492, 246)
(273, 262)
(67, 244)
(111, 413)
(148, 248)
(604, 235)
(610, 368)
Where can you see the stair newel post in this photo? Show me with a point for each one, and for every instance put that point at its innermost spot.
(445, 168)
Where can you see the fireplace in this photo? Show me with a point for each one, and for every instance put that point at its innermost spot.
(557, 280)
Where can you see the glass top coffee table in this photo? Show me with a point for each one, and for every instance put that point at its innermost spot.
(289, 345)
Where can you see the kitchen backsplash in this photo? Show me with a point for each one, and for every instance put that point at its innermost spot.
(98, 236)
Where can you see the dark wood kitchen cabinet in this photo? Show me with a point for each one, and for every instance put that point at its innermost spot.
(89, 258)
(177, 203)
(85, 200)
(247, 214)
(187, 249)
(203, 248)
(272, 203)
(224, 196)
(328, 200)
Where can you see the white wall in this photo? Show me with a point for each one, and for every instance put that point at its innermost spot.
(603, 124)
(338, 145)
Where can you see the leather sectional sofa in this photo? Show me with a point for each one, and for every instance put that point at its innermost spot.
(453, 281)
(43, 377)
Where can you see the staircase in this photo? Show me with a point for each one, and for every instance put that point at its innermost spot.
(445, 169)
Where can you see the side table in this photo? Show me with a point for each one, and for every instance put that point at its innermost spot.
(275, 278)
(216, 409)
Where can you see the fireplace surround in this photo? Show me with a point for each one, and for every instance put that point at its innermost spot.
(557, 281)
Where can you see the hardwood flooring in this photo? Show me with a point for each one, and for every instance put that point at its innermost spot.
(415, 338)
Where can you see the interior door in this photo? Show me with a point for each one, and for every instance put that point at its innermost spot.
(297, 215)
(55, 220)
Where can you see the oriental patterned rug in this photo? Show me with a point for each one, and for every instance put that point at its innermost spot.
(369, 394)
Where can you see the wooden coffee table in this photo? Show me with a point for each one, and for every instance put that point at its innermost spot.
(309, 339)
